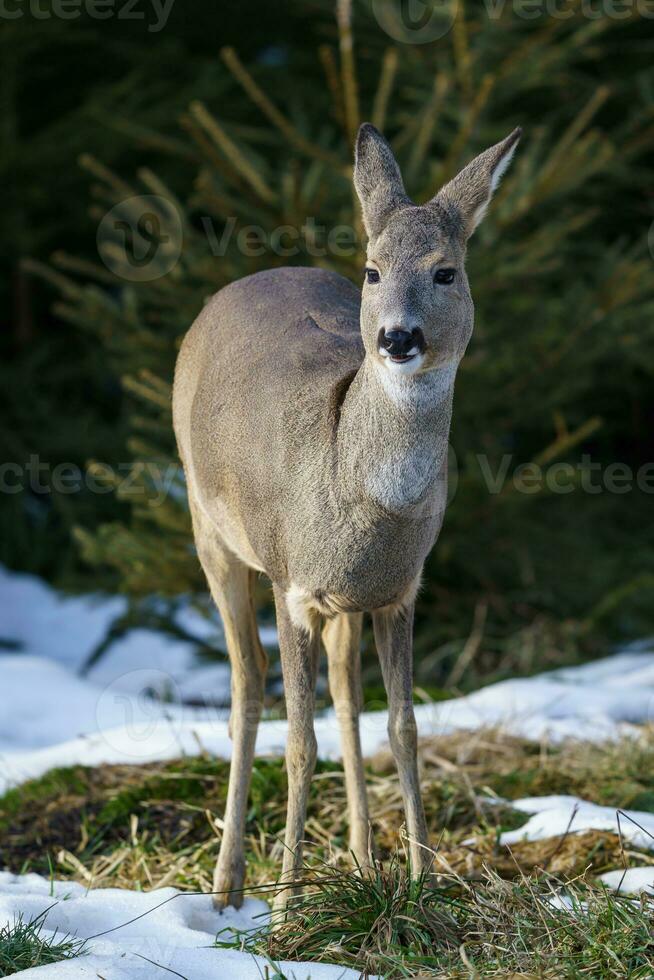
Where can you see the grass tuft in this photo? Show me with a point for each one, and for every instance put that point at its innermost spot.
(23, 945)
(370, 920)
(383, 923)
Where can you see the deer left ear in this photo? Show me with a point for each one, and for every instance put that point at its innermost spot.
(377, 180)
(471, 190)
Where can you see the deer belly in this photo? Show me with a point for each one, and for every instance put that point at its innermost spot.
(307, 606)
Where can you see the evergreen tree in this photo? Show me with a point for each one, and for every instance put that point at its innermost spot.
(562, 359)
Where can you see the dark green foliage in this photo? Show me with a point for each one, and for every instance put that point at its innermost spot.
(115, 89)
(560, 367)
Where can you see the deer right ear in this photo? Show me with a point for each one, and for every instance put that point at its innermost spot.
(471, 190)
(377, 179)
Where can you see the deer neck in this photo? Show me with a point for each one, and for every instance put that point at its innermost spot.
(392, 441)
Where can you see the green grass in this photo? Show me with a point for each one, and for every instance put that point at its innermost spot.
(382, 922)
(73, 780)
(22, 945)
(489, 912)
(375, 920)
(161, 812)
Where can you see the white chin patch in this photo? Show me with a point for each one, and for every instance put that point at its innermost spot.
(402, 367)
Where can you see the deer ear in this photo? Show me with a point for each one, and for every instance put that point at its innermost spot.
(377, 179)
(471, 190)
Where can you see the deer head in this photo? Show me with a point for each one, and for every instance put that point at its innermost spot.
(416, 311)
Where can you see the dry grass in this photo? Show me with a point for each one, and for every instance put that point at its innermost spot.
(156, 825)
(160, 824)
(388, 925)
(569, 855)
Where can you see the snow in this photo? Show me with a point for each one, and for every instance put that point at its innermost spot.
(555, 815)
(150, 697)
(631, 881)
(176, 931)
(43, 622)
(625, 881)
(67, 629)
(51, 717)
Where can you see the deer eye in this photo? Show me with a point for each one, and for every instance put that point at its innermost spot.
(372, 276)
(444, 276)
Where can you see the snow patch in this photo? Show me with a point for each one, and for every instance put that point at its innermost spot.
(37, 620)
(631, 881)
(177, 935)
(555, 815)
(150, 697)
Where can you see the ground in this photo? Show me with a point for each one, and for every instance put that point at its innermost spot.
(539, 794)
(158, 825)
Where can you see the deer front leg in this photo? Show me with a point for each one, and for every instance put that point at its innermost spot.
(393, 637)
(342, 638)
(299, 649)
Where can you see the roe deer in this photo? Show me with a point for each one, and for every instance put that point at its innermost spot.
(312, 421)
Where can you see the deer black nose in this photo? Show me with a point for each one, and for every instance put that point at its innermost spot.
(399, 342)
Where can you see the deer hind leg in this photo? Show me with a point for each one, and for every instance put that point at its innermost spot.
(299, 650)
(393, 637)
(232, 585)
(342, 639)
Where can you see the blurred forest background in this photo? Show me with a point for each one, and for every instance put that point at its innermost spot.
(232, 116)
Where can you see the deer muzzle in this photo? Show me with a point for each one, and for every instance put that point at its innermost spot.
(401, 345)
